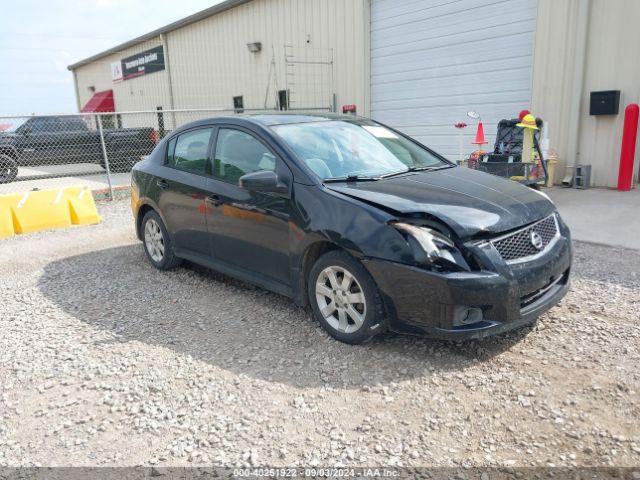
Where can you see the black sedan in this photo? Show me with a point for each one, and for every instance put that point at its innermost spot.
(368, 227)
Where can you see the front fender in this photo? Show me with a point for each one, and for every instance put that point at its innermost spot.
(352, 225)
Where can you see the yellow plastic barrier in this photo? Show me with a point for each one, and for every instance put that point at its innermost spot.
(46, 209)
(6, 215)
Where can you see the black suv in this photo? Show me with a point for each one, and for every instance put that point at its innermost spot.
(370, 228)
(68, 139)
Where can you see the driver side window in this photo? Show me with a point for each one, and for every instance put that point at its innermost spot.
(238, 153)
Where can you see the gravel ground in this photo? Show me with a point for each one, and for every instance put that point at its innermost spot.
(105, 361)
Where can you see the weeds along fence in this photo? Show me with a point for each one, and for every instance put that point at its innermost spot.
(42, 151)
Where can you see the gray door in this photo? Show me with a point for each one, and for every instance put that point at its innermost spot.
(432, 61)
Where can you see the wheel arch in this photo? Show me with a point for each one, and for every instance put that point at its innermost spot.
(9, 150)
(310, 254)
(144, 207)
(8, 167)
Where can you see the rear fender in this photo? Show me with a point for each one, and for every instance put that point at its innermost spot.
(141, 206)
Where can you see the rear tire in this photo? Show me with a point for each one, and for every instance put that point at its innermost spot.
(8, 169)
(345, 299)
(157, 242)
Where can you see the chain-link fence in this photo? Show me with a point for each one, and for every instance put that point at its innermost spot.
(42, 151)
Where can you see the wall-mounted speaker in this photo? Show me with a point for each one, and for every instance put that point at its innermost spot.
(606, 102)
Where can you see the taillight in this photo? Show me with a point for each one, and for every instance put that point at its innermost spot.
(153, 136)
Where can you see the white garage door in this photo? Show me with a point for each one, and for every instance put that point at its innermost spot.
(434, 60)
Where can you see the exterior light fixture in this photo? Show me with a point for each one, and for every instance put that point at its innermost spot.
(254, 47)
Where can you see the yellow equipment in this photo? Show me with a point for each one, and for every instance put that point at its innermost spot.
(528, 121)
(38, 210)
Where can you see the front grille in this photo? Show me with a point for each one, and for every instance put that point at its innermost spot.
(518, 246)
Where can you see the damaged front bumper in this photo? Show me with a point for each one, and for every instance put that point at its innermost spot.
(426, 302)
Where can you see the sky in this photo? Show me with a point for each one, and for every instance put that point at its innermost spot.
(40, 38)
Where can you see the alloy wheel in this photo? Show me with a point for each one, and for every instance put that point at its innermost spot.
(341, 300)
(154, 240)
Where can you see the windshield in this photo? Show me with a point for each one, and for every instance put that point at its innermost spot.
(11, 125)
(338, 149)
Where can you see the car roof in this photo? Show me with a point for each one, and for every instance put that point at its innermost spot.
(266, 120)
(271, 119)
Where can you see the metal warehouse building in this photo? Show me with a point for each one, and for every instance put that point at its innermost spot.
(418, 65)
(247, 52)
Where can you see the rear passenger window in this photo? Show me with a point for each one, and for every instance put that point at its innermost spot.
(238, 153)
(189, 151)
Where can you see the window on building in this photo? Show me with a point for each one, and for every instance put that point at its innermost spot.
(238, 104)
(283, 99)
(189, 151)
(238, 153)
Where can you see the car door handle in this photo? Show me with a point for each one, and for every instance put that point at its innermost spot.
(162, 184)
(214, 200)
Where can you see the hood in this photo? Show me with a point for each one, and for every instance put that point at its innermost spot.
(468, 201)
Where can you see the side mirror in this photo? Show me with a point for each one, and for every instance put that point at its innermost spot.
(262, 181)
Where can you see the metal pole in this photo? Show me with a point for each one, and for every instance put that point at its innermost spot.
(628, 148)
(167, 61)
(577, 87)
(104, 154)
(334, 106)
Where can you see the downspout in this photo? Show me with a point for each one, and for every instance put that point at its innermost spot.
(575, 113)
(75, 87)
(167, 66)
(367, 58)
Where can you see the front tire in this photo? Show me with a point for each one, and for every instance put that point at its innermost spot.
(157, 242)
(345, 299)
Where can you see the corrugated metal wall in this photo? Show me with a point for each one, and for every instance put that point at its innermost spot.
(210, 61)
(434, 60)
(611, 63)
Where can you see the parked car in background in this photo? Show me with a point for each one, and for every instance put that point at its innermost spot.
(370, 228)
(60, 140)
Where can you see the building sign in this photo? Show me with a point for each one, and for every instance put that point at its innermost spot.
(149, 61)
(116, 71)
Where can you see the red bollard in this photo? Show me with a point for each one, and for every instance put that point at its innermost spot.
(628, 150)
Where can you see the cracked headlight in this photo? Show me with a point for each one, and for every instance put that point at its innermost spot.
(432, 248)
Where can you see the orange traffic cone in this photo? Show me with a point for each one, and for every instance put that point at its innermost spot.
(480, 136)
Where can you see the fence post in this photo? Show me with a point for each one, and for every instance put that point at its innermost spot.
(104, 155)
